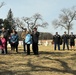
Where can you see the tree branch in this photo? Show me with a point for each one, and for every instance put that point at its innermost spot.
(2, 4)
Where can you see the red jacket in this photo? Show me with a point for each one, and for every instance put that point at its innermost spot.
(3, 43)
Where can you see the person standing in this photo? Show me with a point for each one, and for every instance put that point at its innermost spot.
(35, 38)
(2, 44)
(65, 38)
(23, 35)
(28, 41)
(5, 34)
(56, 39)
(14, 40)
(72, 40)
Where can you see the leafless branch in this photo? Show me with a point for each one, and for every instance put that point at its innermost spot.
(2, 4)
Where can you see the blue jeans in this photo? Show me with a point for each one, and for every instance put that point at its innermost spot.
(55, 45)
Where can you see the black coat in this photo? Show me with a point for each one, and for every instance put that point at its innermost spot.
(65, 38)
(35, 37)
(72, 38)
(5, 33)
(56, 39)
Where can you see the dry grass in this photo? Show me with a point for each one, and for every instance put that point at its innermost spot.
(49, 62)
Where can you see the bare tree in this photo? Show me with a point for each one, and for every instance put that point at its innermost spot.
(27, 20)
(65, 19)
(2, 4)
(19, 23)
(34, 21)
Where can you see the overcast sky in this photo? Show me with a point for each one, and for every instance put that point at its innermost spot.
(49, 9)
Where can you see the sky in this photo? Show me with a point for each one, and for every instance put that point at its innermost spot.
(49, 9)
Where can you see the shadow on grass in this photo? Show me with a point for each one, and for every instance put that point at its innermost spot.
(38, 68)
(53, 53)
(6, 72)
(1, 62)
(67, 69)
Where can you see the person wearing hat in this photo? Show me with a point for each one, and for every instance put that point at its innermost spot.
(65, 38)
(72, 40)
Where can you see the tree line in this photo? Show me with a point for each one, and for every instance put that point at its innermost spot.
(43, 36)
(65, 20)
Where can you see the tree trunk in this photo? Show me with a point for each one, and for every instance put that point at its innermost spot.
(68, 31)
(28, 27)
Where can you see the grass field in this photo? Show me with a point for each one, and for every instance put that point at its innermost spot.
(48, 62)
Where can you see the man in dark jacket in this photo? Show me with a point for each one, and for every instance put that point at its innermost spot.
(65, 38)
(72, 40)
(56, 39)
(35, 38)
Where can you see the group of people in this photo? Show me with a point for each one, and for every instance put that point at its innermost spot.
(13, 38)
(65, 39)
(30, 38)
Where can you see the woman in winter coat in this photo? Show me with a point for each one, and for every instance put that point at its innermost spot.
(28, 41)
(14, 39)
(2, 44)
